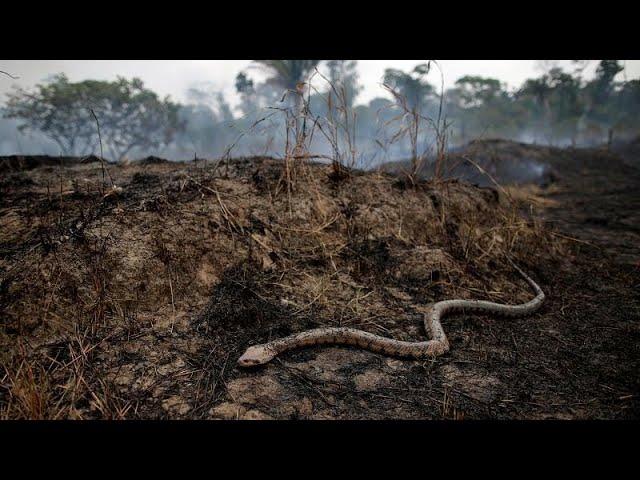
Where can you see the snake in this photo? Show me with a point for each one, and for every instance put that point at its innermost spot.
(435, 346)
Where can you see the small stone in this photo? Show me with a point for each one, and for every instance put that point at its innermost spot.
(227, 411)
(371, 380)
(305, 407)
(395, 363)
(267, 263)
(255, 415)
(175, 405)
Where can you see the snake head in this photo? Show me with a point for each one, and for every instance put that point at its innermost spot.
(256, 355)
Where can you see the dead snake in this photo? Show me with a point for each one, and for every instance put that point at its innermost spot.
(259, 354)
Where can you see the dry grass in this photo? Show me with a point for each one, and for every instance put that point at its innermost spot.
(413, 125)
(100, 294)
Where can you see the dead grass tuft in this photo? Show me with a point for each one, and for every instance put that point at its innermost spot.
(136, 306)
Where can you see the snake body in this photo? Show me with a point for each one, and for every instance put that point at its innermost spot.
(437, 345)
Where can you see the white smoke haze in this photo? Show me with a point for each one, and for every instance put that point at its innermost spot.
(175, 77)
(216, 115)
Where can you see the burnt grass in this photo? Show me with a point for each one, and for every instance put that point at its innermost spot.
(137, 304)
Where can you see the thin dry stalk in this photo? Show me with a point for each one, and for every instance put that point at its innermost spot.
(101, 154)
(410, 123)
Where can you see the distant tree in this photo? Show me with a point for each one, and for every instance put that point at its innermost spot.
(481, 106)
(478, 91)
(627, 105)
(413, 85)
(603, 85)
(130, 115)
(58, 110)
(205, 133)
(599, 92)
(254, 97)
(566, 103)
(243, 83)
(538, 90)
(344, 73)
(456, 111)
(203, 93)
(224, 109)
(288, 74)
(246, 89)
(372, 119)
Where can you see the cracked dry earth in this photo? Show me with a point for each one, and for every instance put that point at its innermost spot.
(138, 306)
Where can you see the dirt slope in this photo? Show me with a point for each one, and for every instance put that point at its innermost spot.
(137, 304)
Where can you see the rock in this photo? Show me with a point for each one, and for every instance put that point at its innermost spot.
(422, 264)
(175, 405)
(251, 390)
(227, 411)
(304, 407)
(395, 363)
(371, 380)
(328, 362)
(476, 385)
(256, 415)
(172, 367)
(207, 275)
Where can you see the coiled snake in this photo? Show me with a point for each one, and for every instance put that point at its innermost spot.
(259, 354)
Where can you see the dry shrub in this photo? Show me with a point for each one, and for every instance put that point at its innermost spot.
(410, 123)
(26, 389)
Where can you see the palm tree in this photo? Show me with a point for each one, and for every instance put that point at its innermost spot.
(540, 90)
(412, 86)
(288, 74)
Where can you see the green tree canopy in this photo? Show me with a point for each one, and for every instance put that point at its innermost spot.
(600, 91)
(287, 73)
(478, 91)
(130, 115)
(413, 86)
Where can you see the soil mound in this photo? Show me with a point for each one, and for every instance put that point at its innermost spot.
(137, 302)
(491, 161)
(28, 162)
(152, 160)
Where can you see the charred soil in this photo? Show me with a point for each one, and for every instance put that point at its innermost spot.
(136, 302)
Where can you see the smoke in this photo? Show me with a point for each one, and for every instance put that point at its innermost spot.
(256, 126)
(15, 142)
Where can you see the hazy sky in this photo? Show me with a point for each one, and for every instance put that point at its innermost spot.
(174, 77)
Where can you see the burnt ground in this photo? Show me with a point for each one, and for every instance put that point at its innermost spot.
(596, 198)
(137, 303)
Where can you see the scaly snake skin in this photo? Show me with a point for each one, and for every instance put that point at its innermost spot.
(259, 354)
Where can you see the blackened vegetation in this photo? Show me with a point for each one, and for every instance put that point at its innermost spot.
(152, 160)
(372, 258)
(138, 305)
(14, 180)
(339, 173)
(244, 310)
(17, 163)
(265, 177)
(145, 179)
(238, 304)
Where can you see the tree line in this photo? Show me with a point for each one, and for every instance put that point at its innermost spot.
(123, 118)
